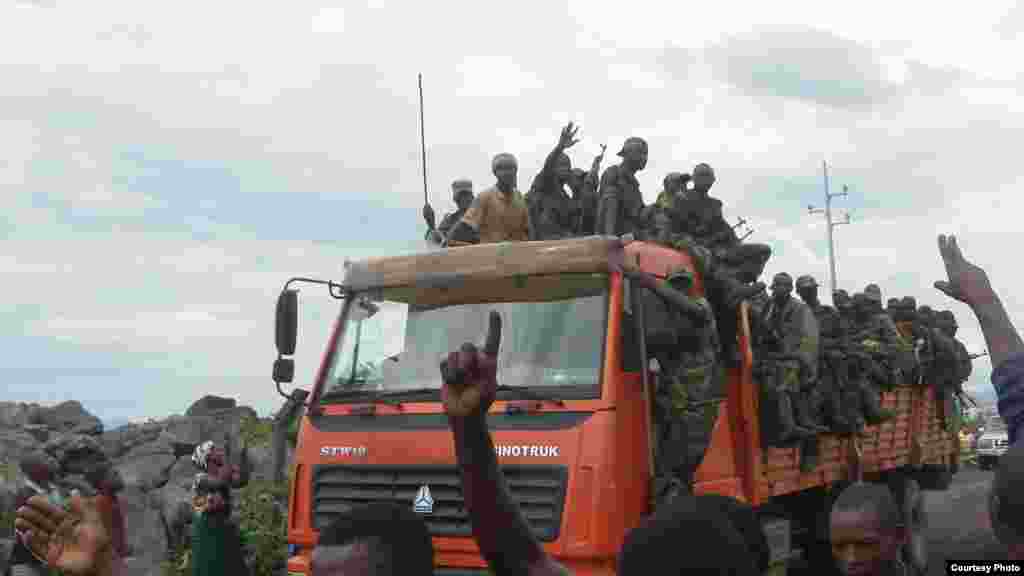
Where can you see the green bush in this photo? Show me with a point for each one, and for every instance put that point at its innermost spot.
(256, 432)
(262, 528)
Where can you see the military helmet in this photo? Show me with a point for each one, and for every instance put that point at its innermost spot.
(873, 293)
(806, 281)
(461, 187)
(672, 177)
(782, 278)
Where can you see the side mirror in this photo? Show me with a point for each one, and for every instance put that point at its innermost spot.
(284, 370)
(286, 324)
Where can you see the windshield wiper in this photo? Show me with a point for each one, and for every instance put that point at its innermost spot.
(532, 394)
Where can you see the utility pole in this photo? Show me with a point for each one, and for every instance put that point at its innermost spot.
(830, 224)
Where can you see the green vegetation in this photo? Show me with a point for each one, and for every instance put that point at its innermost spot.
(256, 432)
(262, 528)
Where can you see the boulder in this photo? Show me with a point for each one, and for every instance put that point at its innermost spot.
(14, 444)
(15, 414)
(210, 405)
(70, 416)
(147, 466)
(76, 453)
(145, 534)
(175, 498)
(117, 443)
(38, 431)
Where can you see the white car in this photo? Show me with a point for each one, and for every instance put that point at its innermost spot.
(991, 445)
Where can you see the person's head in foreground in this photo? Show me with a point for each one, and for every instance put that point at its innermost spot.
(1006, 502)
(866, 530)
(375, 540)
(689, 535)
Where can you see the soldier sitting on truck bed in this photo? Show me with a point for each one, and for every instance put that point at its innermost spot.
(832, 369)
(499, 213)
(786, 355)
(683, 537)
(685, 343)
(878, 330)
(462, 194)
(722, 287)
(553, 213)
(699, 216)
(867, 373)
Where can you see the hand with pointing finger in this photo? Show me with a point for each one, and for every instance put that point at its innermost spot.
(966, 282)
(470, 376)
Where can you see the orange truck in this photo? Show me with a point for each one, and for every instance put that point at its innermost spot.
(572, 423)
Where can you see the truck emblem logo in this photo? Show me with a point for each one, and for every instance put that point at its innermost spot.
(424, 502)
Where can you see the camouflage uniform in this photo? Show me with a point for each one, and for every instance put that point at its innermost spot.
(867, 368)
(786, 365)
(694, 380)
(832, 370)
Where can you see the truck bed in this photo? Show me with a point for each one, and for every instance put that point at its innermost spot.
(915, 437)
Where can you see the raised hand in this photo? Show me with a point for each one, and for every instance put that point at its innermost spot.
(470, 376)
(966, 282)
(76, 542)
(568, 136)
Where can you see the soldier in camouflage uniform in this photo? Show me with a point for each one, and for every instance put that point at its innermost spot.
(832, 370)
(694, 380)
(786, 358)
(896, 355)
(462, 195)
(952, 365)
(867, 371)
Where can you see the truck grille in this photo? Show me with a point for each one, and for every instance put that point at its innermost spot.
(539, 491)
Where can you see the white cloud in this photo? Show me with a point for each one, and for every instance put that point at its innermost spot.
(323, 100)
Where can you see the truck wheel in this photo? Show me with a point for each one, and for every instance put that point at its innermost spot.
(916, 550)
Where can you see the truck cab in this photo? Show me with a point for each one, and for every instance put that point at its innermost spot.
(572, 424)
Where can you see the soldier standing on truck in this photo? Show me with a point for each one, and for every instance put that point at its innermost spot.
(895, 354)
(553, 213)
(694, 382)
(587, 183)
(620, 201)
(499, 213)
(462, 194)
(786, 348)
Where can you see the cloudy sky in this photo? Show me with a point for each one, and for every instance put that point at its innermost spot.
(164, 167)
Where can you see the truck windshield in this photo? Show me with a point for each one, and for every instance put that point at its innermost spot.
(553, 330)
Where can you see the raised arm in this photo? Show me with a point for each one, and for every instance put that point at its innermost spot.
(469, 384)
(969, 284)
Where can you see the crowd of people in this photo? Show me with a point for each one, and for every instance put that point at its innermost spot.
(698, 534)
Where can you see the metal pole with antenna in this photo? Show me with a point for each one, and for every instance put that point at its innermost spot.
(423, 142)
(830, 224)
